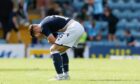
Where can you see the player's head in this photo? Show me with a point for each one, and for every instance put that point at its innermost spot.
(107, 11)
(35, 30)
(127, 32)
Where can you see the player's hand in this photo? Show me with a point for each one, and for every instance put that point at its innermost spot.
(51, 39)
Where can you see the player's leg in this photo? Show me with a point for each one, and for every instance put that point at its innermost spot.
(18, 34)
(65, 61)
(69, 38)
(57, 59)
(8, 34)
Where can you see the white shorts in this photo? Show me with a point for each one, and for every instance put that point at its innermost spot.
(71, 36)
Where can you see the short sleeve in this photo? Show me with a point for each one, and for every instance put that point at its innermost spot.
(55, 34)
(132, 39)
(46, 31)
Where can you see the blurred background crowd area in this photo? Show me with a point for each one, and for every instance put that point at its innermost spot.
(109, 22)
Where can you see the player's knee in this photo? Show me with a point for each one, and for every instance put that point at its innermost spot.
(57, 48)
(54, 49)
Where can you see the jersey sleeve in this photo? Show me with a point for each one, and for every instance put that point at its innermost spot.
(132, 39)
(46, 31)
(55, 35)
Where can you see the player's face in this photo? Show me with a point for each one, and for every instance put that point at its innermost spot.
(126, 34)
(37, 31)
(106, 13)
(37, 34)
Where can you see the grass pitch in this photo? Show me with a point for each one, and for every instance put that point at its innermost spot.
(90, 71)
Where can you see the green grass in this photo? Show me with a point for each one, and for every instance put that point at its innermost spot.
(90, 71)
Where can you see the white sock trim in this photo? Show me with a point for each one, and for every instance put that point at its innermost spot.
(65, 73)
(60, 74)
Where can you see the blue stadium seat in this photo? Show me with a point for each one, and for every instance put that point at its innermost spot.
(134, 24)
(126, 14)
(122, 24)
(133, 15)
(112, 5)
(120, 33)
(2, 41)
(125, 5)
(128, 11)
(121, 5)
(135, 6)
(103, 24)
(135, 33)
(126, 1)
(116, 12)
(137, 14)
(114, 1)
(137, 1)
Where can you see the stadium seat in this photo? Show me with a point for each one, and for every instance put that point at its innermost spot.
(116, 12)
(137, 1)
(126, 1)
(135, 6)
(122, 24)
(134, 24)
(121, 5)
(2, 41)
(103, 24)
(135, 33)
(120, 33)
(119, 14)
(112, 5)
(127, 14)
(124, 5)
(114, 1)
(137, 14)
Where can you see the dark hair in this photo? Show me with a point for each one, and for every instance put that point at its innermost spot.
(31, 31)
(108, 9)
(128, 31)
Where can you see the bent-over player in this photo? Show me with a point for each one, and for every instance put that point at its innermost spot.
(71, 32)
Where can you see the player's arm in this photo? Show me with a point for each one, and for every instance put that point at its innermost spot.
(132, 43)
(51, 38)
(14, 19)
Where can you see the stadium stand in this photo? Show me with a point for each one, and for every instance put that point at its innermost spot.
(128, 13)
(126, 10)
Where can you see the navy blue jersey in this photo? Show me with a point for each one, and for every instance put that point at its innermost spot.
(130, 39)
(52, 24)
(11, 23)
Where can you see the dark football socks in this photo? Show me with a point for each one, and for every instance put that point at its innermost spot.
(57, 59)
(65, 61)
